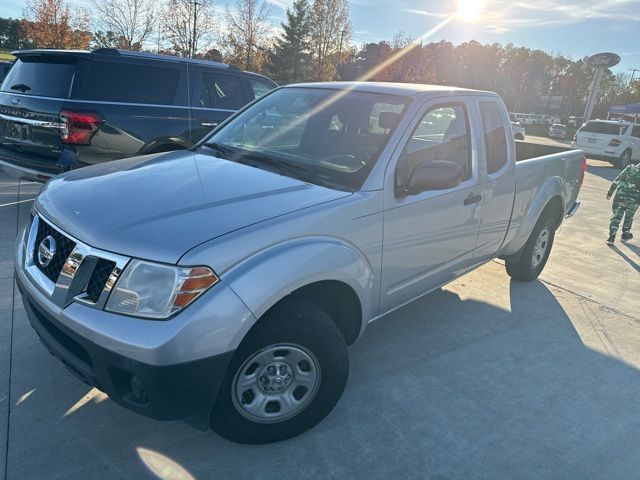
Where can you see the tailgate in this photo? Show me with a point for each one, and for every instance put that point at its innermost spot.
(32, 96)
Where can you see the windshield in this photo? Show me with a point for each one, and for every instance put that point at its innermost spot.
(328, 137)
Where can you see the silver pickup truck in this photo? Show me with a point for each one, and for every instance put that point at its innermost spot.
(222, 285)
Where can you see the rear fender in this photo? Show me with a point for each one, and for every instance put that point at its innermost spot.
(268, 276)
(552, 187)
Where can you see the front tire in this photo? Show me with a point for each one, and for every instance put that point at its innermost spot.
(535, 252)
(286, 376)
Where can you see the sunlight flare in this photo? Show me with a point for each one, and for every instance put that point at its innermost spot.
(470, 10)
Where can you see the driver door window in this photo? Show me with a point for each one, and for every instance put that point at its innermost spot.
(441, 134)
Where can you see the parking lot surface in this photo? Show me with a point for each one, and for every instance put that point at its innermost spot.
(485, 378)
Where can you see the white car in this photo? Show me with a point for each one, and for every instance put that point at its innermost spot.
(616, 142)
(518, 130)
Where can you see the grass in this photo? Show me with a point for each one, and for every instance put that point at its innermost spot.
(6, 56)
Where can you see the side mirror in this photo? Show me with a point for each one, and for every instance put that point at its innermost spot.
(434, 175)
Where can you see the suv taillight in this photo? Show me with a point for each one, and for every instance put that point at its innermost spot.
(614, 142)
(79, 127)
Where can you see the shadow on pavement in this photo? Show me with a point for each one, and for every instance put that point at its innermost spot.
(626, 258)
(608, 173)
(634, 248)
(444, 387)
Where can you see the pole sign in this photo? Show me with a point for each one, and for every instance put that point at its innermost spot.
(603, 60)
(599, 61)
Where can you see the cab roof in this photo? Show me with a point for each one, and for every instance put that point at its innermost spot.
(390, 88)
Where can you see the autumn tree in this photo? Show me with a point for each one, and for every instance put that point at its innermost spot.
(177, 23)
(51, 24)
(330, 26)
(291, 58)
(130, 21)
(248, 34)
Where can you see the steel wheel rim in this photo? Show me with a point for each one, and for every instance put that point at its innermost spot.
(276, 383)
(540, 248)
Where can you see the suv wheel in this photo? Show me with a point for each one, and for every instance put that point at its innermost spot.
(625, 158)
(535, 252)
(286, 376)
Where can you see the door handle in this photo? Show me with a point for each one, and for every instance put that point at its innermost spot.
(472, 198)
(209, 124)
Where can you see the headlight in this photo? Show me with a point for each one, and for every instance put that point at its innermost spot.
(153, 290)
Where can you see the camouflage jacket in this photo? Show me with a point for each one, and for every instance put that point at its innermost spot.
(627, 184)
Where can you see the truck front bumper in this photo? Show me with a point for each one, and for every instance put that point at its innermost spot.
(169, 392)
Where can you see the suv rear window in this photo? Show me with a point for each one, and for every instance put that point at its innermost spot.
(46, 77)
(131, 83)
(604, 128)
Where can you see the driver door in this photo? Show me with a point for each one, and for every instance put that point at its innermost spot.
(429, 237)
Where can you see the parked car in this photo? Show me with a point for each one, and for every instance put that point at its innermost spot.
(63, 109)
(222, 285)
(5, 66)
(614, 141)
(518, 131)
(558, 130)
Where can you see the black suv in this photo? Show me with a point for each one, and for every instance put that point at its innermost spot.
(62, 109)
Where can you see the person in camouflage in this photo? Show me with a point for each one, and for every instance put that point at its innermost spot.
(626, 188)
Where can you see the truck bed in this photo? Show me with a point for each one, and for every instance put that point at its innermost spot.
(542, 172)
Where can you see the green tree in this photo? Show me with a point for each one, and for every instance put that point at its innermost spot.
(291, 59)
(12, 36)
(330, 27)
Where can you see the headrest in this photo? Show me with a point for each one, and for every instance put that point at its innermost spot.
(388, 120)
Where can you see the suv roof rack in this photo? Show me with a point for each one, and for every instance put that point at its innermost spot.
(158, 56)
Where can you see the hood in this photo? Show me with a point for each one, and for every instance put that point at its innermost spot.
(158, 207)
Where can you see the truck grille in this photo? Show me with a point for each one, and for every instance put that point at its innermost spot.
(64, 247)
(67, 269)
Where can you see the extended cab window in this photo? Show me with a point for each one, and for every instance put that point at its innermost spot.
(635, 132)
(442, 134)
(495, 136)
(131, 83)
(221, 91)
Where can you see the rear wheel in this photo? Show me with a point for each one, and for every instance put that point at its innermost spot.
(287, 375)
(535, 253)
(625, 158)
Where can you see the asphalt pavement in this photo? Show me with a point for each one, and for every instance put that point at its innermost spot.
(485, 378)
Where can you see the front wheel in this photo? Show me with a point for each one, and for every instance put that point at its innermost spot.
(535, 252)
(287, 375)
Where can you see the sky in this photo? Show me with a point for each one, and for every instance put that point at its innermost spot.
(569, 27)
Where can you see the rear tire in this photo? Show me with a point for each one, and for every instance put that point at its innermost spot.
(625, 158)
(286, 376)
(535, 252)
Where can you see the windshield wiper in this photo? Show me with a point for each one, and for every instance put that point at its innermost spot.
(283, 168)
(226, 151)
(20, 86)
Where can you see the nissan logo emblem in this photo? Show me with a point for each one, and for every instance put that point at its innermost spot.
(46, 251)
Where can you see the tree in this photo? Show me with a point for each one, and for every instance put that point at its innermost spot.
(330, 27)
(248, 32)
(109, 39)
(178, 25)
(51, 24)
(291, 58)
(12, 35)
(131, 21)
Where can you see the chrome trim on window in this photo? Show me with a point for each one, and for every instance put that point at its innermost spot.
(71, 284)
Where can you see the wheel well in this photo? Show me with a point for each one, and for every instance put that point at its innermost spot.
(339, 301)
(554, 209)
